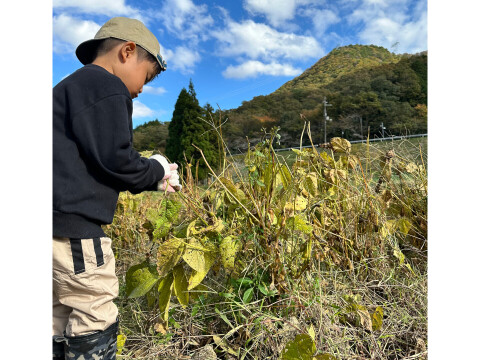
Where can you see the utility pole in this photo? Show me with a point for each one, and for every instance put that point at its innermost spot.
(383, 128)
(361, 127)
(325, 104)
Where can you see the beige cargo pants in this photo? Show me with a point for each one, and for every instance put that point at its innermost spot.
(84, 286)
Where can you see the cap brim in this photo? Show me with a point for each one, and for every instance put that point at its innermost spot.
(86, 51)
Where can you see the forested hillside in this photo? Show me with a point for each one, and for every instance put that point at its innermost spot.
(151, 136)
(366, 86)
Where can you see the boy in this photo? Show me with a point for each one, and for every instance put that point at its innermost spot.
(93, 160)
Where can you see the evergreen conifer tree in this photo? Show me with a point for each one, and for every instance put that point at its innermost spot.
(187, 128)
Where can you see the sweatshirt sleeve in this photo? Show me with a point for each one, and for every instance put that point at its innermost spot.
(103, 134)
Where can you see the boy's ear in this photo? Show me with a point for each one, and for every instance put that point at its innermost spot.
(127, 50)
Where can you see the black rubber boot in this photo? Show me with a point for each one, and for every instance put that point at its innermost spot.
(99, 345)
(58, 348)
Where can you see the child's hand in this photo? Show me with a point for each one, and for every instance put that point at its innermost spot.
(173, 183)
(174, 180)
(165, 164)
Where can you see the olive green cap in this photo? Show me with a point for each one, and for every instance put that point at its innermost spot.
(122, 28)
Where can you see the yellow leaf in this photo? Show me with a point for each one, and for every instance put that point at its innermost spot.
(300, 203)
(239, 194)
(217, 227)
(404, 225)
(388, 228)
(311, 183)
(194, 255)
(191, 227)
(311, 332)
(340, 145)
(228, 249)
(164, 295)
(180, 285)
(399, 255)
(120, 343)
(411, 168)
(285, 176)
(377, 318)
(201, 262)
(168, 255)
(196, 278)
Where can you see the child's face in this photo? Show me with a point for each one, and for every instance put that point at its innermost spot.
(135, 74)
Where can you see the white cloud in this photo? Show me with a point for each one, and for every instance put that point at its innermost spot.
(369, 10)
(185, 20)
(261, 41)
(277, 12)
(321, 19)
(411, 36)
(253, 68)
(182, 59)
(141, 110)
(154, 90)
(103, 7)
(386, 23)
(68, 32)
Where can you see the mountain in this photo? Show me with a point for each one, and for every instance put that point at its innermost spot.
(341, 61)
(366, 86)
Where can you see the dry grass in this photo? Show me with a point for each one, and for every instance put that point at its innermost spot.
(259, 329)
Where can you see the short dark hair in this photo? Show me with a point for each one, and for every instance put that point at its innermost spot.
(104, 46)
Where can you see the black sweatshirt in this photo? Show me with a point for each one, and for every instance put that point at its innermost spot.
(93, 158)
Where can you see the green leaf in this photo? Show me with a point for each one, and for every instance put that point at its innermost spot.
(140, 279)
(171, 208)
(259, 183)
(180, 285)
(228, 249)
(263, 289)
(222, 343)
(301, 348)
(162, 227)
(300, 224)
(248, 296)
(377, 318)
(164, 295)
(223, 317)
(168, 255)
(152, 215)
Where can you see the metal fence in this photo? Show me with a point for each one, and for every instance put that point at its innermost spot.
(389, 138)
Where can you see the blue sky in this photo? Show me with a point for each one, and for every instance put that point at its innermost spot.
(235, 50)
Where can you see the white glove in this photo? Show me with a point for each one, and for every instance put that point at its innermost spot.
(165, 164)
(173, 183)
(174, 180)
